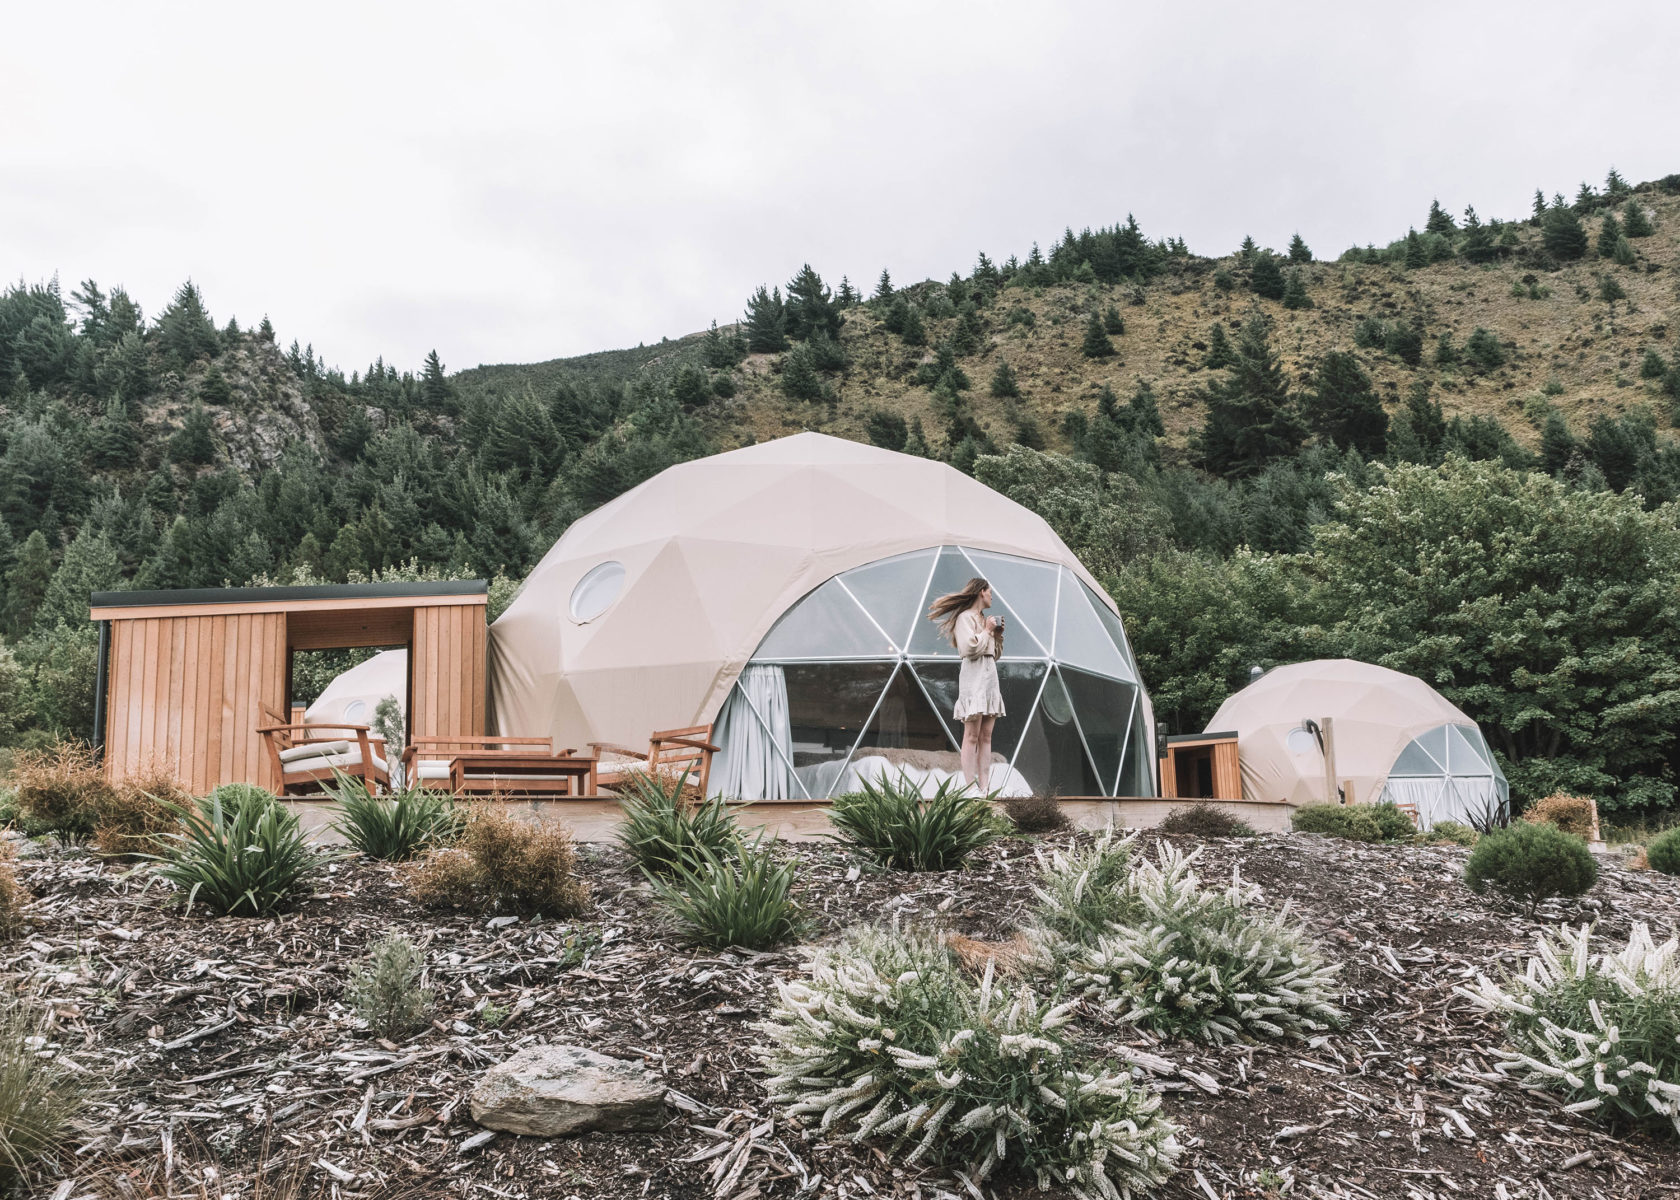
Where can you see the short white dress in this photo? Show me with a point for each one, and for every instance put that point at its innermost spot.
(978, 694)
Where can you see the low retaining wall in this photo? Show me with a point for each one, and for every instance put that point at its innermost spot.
(807, 820)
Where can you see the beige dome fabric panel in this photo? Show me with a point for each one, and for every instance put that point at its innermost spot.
(714, 552)
(366, 684)
(1377, 712)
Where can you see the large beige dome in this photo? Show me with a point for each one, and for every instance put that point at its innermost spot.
(1395, 738)
(645, 612)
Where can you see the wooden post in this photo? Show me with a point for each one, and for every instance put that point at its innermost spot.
(1327, 725)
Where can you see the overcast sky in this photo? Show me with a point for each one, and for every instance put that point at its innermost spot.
(513, 182)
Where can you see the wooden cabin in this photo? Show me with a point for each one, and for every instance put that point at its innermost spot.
(1201, 766)
(186, 678)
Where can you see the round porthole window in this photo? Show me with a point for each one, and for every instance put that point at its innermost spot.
(355, 711)
(596, 591)
(1301, 741)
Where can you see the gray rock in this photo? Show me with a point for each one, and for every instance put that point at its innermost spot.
(552, 1090)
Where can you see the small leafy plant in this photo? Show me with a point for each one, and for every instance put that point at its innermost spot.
(742, 897)
(1392, 822)
(887, 1038)
(505, 864)
(1603, 1030)
(37, 1096)
(394, 828)
(241, 853)
(892, 823)
(1355, 822)
(1205, 820)
(1208, 964)
(1450, 832)
(664, 831)
(1531, 862)
(1663, 852)
(1079, 889)
(386, 990)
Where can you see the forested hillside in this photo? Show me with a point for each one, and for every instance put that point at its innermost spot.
(1451, 452)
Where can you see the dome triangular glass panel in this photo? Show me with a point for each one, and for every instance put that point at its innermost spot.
(892, 591)
(826, 624)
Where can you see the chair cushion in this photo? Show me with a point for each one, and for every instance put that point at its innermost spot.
(311, 749)
(346, 761)
(431, 768)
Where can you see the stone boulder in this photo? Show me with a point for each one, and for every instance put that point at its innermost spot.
(551, 1090)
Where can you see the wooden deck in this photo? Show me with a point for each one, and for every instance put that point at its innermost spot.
(596, 820)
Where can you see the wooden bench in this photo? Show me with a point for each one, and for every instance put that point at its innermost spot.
(308, 758)
(427, 760)
(686, 753)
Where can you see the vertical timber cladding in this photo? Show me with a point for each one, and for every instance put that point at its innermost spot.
(184, 696)
(446, 670)
(191, 675)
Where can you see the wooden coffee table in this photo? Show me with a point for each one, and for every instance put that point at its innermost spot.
(507, 774)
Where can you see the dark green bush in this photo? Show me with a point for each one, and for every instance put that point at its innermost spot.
(664, 831)
(398, 827)
(242, 853)
(1355, 822)
(742, 897)
(1663, 852)
(1205, 820)
(893, 824)
(1451, 832)
(1394, 823)
(1531, 862)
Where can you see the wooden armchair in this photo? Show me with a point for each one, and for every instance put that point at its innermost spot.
(306, 758)
(686, 753)
(426, 761)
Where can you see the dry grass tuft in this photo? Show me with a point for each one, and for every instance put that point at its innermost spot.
(1573, 814)
(13, 896)
(60, 790)
(504, 863)
(1035, 814)
(1205, 819)
(133, 813)
(1016, 958)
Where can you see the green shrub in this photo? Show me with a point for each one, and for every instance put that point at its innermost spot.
(1205, 820)
(1203, 963)
(1353, 821)
(10, 813)
(1392, 821)
(1663, 852)
(503, 863)
(398, 827)
(664, 831)
(1603, 1030)
(1078, 889)
(895, 825)
(60, 790)
(1451, 832)
(38, 1097)
(241, 853)
(385, 991)
(741, 897)
(1035, 814)
(1531, 862)
(888, 1039)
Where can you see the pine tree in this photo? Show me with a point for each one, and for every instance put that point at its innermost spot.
(1562, 234)
(1539, 207)
(185, 332)
(1615, 187)
(1267, 277)
(1004, 384)
(214, 388)
(690, 388)
(1635, 223)
(1247, 249)
(113, 442)
(1609, 233)
(436, 392)
(1652, 366)
(884, 286)
(1416, 255)
(717, 351)
(886, 430)
(1143, 411)
(766, 321)
(897, 313)
(1298, 252)
(847, 296)
(1251, 416)
(194, 443)
(1478, 245)
(1586, 199)
(1113, 323)
(1427, 422)
(1557, 444)
(1610, 289)
(265, 331)
(1440, 221)
(800, 380)
(914, 333)
(1096, 343)
(1219, 353)
(917, 443)
(1446, 354)
(810, 308)
(26, 582)
(1342, 406)
(1622, 255)
(970, 333)
(1295, 292)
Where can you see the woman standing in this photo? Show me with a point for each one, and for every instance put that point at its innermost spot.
(979, 639)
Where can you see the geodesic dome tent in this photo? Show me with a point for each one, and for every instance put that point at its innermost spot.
(779, 591)
(1394, 738)
(353, 695)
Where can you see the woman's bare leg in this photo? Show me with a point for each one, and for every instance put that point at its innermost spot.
(983, 753)
(971, 750)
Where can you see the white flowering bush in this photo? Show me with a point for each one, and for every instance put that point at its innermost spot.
(1205, 963)
(888, 1040)
(1079, 890)
(1602, 1029)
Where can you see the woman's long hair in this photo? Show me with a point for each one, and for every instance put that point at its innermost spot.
(952, 605)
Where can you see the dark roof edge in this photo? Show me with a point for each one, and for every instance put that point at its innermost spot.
(1202, 737)
(272, 595)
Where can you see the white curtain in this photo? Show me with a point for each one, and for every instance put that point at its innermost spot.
(757, 745)
(1443, 797)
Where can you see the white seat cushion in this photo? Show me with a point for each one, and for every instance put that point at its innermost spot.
(347, 761)
(311, 749)
(431, 768)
